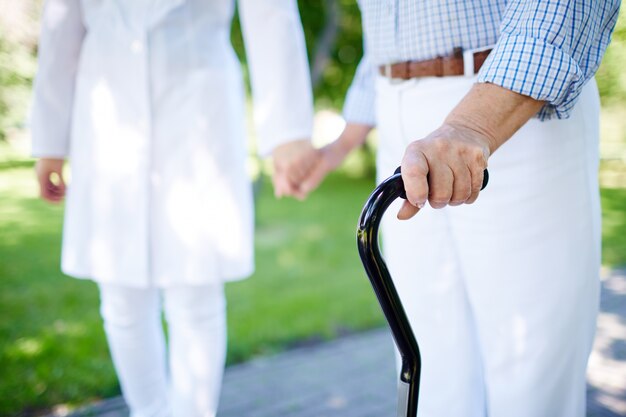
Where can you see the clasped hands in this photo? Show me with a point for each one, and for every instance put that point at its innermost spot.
(444, 168)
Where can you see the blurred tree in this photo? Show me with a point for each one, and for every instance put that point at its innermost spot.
(611, 75)
(18, 44)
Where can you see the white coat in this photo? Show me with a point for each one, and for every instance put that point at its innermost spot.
(146, 99)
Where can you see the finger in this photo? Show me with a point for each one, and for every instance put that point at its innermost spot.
(407, 211)
(61, 183)
(286, 188)
(56, 184)
(478, 175)
(441, 183)
(49, 191)
(300, 168)
(278, 181)
(472, 198)
(462, 187)
(298, 194)
(295, 173)
(414, 175)
(315, 178)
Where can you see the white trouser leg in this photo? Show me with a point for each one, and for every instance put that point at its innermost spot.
(197, 326)
(132, 322)
(424, 265)
(531, 252)
(502, 294)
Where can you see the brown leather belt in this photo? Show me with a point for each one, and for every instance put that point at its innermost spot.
(442, 66)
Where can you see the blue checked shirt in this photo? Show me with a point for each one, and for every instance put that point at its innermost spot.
(545, 49)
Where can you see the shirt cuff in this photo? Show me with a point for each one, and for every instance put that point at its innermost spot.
(535, 68)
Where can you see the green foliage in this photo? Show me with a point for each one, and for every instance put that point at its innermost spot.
(344, 58)
(611, 75)
(344, 54)
(17, 68)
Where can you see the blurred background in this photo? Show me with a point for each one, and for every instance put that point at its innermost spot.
(308, 286)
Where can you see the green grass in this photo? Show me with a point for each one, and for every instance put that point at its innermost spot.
(308, 286)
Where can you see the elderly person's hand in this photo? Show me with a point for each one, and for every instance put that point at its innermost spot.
(50, 177)
(446, 167)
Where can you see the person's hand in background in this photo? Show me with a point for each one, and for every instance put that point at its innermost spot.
(331, 156)
(50, 177)
(292, 163)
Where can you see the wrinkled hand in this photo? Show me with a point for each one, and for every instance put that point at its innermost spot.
(50, 176)
(445, 168)
(293, 162)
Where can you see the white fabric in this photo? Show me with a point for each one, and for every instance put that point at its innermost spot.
(502, 294)
(196, 321)
(146, 99)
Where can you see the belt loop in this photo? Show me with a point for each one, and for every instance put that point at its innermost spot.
(387, 70)
(468, 63)
(439, 66)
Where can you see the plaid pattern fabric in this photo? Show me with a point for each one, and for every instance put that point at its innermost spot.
(546, 49)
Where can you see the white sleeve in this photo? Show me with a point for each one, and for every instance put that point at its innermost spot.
(279, 71)
(62, 33)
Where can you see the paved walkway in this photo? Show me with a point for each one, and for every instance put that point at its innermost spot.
(355, 376)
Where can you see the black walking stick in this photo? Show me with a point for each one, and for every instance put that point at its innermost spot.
(367, 242)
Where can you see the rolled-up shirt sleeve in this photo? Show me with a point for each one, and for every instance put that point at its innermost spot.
(548, 50)
(279, 71)
(360, 103)
(61, 37)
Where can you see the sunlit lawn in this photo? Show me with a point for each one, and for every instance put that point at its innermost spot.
(308, 286)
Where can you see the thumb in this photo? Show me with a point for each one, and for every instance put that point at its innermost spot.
(407, 211)
(61, 184)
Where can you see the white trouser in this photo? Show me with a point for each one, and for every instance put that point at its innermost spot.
(502, 294)
(197, 345)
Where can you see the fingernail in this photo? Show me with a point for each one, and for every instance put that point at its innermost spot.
(421, 204)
